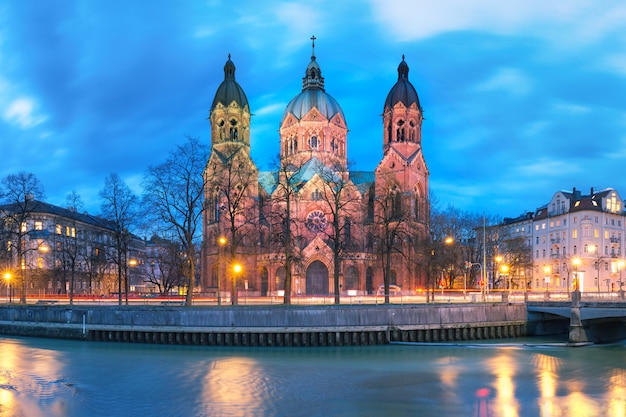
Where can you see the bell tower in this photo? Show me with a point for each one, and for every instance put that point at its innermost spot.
(230, 113)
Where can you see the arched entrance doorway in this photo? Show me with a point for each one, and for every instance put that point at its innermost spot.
(317, 278)
(280, 279)
(369, 280)
(264, 282)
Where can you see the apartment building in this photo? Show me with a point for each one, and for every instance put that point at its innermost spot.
(53, 249)
(575, 241)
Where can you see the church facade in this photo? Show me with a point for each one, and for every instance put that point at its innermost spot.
(312, 226)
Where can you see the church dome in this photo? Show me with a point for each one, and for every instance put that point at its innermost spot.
(313, 95)
(402, 91)
(229, 90)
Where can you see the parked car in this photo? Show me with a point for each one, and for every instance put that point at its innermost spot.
(393, 290)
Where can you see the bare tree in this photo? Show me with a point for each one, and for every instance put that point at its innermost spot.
(18, 192)
(284, 223)
(342, 201)
(165, 269)
(119, 206)
(173, 194)
(232, 193)
(390, 221)
(70, 250)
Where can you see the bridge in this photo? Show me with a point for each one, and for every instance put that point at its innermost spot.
(586, 321)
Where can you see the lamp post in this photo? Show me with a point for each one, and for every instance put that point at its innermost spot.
(505, 270)
(547, 269)
(237, 268)
(576, 263)
(221, 241)
(498, 259)
(620, 266)
(7, 278)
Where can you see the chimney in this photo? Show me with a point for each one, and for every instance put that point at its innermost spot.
(591, 192)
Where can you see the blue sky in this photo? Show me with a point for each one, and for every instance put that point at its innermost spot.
(521, 98)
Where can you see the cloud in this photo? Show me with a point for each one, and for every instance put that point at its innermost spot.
(21, 112)
(509, 80)
(420, 19)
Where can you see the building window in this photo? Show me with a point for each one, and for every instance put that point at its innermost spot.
(575, 234)
(58, 229)
(38, 225)
(23, 228)
(316, 195)
(314, 142)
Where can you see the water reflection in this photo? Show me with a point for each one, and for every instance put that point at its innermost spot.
(29, 382)
(41, 377)
(235, 383)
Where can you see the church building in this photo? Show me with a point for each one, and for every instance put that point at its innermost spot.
(312, 226)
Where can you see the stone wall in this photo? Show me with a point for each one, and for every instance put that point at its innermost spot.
(267, 325)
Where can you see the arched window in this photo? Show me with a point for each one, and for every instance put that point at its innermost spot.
(347, 229)
(314, 142)
(400, 131)
(234, 131)
(396, 205)
(221, 129)
(417, 207)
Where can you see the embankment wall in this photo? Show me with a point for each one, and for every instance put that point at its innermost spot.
(267, 325)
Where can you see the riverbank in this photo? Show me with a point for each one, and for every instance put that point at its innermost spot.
(343, 325)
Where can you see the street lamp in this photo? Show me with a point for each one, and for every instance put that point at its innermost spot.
(237, 268)
(221, 241)
(7, 277)
(547, 269)
(576, 263)
(505, 270)
(620, 266)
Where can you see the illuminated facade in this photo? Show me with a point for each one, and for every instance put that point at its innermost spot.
(60, 245)
(313, 214)
(576, 241)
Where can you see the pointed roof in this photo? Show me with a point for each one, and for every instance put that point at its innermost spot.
(402, 91)
(229, 90)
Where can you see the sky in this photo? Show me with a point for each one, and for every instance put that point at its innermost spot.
(521, 98)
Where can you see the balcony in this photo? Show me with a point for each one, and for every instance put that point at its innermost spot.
(615, 239)
(555, 240)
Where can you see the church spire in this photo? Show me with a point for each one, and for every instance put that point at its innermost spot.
(313, 75)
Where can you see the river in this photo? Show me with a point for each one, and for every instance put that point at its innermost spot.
(53, 378)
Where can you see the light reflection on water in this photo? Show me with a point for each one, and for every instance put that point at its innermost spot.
(53, 378)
